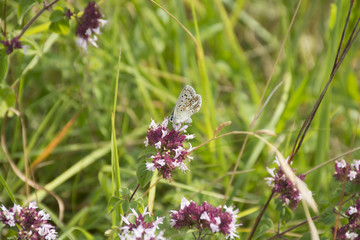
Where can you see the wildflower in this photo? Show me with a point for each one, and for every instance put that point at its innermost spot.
(205, 217)
(11, 45)
(171, 153)
(32, 224)
(351, 230)
(347, 172)
(89, 25)
(289, 194)
(140, 229)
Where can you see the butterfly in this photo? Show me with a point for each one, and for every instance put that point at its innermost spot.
(186, 105)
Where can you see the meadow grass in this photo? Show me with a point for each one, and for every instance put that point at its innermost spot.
(87, 113)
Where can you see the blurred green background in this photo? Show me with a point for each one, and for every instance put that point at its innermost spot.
(241, 39)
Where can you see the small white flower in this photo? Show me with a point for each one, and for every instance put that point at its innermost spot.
(161, 162)
(102, 22)
(159, 220)
(356, 164)
(271, 171)
(32, 205)
(96, 30)
(184, 203)
(17, 209)
(352, 175)
(190, 136)
(190, 158)
(145, 212)
(165, 122)
(125, 219)
(352, 210)
(81, 42)
(164, 133)
(44, 215)
(269, 181)
(183, 129)
(183, 167)
(158, 145)
(150, 166)
(25, 48)
(277, 161)
(214, 227)
(351, 236)
(138, 231)
(52, 235)
(152, 124)
(299, 197)
(205, 216)
(88, 32)
(134, 213)
(190, 148)
(146, 142)
(341, 164)
(93, 41)
(178, 152)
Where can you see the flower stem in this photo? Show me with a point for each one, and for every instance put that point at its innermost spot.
(258, 218)
(46, 7)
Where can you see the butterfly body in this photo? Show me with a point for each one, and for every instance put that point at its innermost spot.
(186, 105)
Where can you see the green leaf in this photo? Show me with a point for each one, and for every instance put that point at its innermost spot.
(23, 7)
(114, 202)
(147, 153)
(143, 175)
(7, 99)
(61, 27)
(264, 225)
(56, 16)
(4, 64)
(328, 217)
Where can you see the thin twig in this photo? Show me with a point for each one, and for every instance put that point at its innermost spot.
(181, 25)
(306, 125)
(331, 160)
(292, 228)
(132, 195)
(258, 218)
(46, 7)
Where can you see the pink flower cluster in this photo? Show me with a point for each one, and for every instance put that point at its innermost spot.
(32, 224)
(289, 194)
(171, 153)
(205, 217)
(89, 25)
(347, 172)
(140, 229)
(352, 229)
(11, 45)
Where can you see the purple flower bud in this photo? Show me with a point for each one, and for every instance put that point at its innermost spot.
(11, 45)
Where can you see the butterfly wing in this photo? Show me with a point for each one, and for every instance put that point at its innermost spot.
(187, 104)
